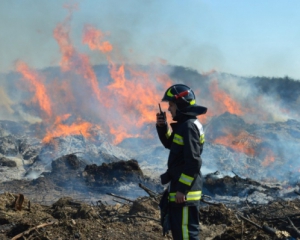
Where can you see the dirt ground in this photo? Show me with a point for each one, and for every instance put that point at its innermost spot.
(45, 208)
(139, 219)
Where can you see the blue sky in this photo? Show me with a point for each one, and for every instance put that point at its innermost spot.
(246, 38)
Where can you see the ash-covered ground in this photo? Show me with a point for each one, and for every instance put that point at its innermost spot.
(77, 189)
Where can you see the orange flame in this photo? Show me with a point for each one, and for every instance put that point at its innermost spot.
(40, 90)
(132, 94)
(129, 102)
(93, 38)
(72, 60)
(224, 101)
(246, 143)
(120, 133)
(243, 142)
(61, 129)
(134, 99)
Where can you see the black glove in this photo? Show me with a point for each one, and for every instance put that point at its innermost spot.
(165, 178)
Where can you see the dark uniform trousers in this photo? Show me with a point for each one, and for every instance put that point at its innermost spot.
(185, 222)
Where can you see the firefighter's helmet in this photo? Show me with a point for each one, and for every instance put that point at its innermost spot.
(184, 98)
(180, 93)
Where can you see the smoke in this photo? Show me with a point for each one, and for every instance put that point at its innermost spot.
(141, 32)
(5, 103)
(255, 99)
(120, 97)
(78, 96)
(256, 106)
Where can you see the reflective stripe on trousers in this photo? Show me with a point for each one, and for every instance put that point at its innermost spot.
(185, 223)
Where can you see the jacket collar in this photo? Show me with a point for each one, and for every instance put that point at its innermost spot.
(180, 118)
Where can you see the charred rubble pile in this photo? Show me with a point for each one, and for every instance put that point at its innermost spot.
(231, 207)
(72, 177)
(68, 165)
(265, 152)
(70, 218)
(260, 210)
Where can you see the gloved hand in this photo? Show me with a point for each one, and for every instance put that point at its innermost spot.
(165, 178)
(161, 119)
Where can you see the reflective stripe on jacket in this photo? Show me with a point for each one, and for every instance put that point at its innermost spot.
(190, 196)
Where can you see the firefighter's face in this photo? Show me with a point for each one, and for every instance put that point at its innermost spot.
(172, 109)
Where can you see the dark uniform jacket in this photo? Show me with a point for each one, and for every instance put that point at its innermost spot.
(186, 144)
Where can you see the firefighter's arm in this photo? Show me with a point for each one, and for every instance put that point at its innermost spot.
(192, 160)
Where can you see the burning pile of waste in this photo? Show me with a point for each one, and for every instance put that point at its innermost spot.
(83, 131)
(107, 112)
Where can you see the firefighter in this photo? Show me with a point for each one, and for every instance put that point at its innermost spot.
(183, 175)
